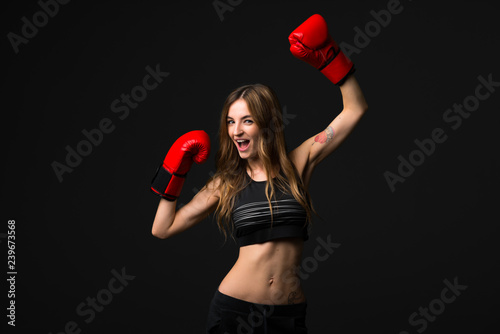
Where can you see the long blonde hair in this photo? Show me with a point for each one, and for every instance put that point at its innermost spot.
(266, 111)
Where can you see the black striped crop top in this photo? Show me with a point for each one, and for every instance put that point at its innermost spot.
(252, 216)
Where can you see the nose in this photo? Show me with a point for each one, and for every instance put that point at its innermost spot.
(237, 129)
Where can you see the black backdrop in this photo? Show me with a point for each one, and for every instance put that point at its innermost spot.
(396, 249)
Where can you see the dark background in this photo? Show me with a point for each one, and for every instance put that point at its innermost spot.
(397, 247)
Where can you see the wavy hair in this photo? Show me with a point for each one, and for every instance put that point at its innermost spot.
(231, 169)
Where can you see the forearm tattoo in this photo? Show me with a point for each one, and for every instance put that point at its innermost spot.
(325, 136)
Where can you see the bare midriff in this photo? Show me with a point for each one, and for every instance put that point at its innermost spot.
(266, 273)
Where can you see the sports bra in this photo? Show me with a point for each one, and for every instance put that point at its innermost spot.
(252, 216)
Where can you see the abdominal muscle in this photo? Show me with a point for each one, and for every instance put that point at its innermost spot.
(266, 273)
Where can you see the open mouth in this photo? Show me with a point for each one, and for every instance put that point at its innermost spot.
(243, 144)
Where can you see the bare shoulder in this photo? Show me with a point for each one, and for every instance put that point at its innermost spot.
(212, 187)
(300, 158)
(208, 196)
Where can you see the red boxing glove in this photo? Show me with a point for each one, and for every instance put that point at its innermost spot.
(170, 177)
(312, 43)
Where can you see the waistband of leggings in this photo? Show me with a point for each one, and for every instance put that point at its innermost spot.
(244, 306)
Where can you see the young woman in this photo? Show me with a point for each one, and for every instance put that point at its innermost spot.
(259, 192)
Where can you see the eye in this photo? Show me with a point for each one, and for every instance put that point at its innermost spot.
(229, 122)
(249, 121)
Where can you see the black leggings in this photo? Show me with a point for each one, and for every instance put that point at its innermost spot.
(229, 315)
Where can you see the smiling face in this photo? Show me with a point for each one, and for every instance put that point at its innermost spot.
(242, 127)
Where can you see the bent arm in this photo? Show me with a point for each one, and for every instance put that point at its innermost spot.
(168, 222)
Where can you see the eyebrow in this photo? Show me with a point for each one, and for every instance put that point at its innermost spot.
(246, 116)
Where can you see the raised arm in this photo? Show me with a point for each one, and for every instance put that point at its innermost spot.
(312, 43)
(316, 148)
